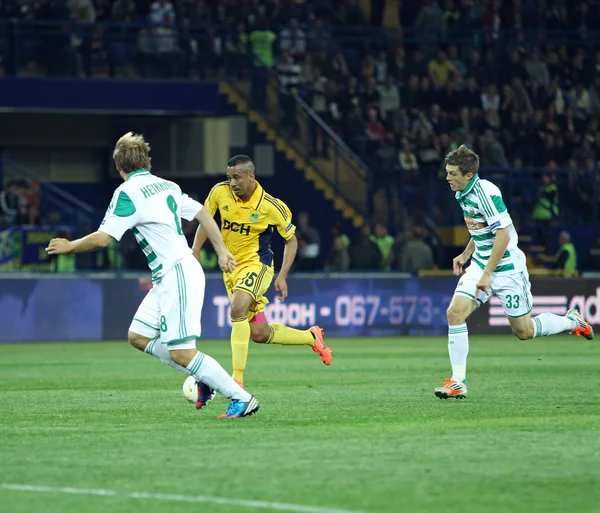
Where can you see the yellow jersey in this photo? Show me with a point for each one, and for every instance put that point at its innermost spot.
(247, 227)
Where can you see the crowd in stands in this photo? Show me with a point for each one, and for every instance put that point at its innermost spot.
(516, 80)
(481, 72)
(413, 250)
(417, 248)
(21, 208)
(20, 204)
(493, 75)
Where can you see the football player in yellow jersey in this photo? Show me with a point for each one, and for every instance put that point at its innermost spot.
(248, 216)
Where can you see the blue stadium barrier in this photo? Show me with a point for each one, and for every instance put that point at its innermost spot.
(109, 96)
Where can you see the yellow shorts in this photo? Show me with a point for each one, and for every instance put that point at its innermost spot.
(254, 279)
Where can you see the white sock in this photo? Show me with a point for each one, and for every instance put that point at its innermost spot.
(458, 349)
(161, 351)
(547, 324)
(209, 371)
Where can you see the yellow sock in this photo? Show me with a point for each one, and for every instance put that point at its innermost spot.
(240, 337)
(283, 335)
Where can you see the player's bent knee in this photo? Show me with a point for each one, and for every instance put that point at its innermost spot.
(178, 358)
(456, 315)
(260, 333)
(240, 304)
(138, 341)
(238, 311)
(523, 333)
(182, 356)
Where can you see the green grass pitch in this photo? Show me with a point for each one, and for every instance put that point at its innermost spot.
(364, 435)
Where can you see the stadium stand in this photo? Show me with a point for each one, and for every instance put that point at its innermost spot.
(370, 95)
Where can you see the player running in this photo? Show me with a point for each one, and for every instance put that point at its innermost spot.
(167, 322)
(248, 216)
(497, 269)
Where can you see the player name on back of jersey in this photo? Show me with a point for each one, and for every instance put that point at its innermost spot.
(154, 188)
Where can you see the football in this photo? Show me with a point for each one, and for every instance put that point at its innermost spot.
(190, 390)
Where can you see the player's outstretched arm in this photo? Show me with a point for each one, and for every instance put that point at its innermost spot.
(226, 261)
(199, 241)
(91, 242)
(289, 255)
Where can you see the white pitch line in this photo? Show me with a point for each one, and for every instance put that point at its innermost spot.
(279, 506)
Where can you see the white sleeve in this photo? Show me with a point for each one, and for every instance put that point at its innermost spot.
(493, 208)
(189, 207)
(120, 216)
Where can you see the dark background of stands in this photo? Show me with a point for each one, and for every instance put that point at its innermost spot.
(392, 87)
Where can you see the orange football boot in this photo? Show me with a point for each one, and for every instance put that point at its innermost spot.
(583, 328)
(451, 388)
(319, 345)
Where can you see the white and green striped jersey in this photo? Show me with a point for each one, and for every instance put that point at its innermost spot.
(485, 213)
(152, 209)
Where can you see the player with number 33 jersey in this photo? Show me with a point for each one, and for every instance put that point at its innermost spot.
(497, 268)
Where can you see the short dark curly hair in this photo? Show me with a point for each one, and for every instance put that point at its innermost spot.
(466, 160)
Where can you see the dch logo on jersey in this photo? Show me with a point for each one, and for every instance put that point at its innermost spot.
(242, 228)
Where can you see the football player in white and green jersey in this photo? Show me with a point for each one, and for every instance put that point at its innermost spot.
(167, 323)
(497, 268)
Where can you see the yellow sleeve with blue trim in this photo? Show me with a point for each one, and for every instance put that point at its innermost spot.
(212, 200)
(281, 217)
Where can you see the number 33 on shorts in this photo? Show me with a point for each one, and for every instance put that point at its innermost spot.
(513, 291)
(512, 302)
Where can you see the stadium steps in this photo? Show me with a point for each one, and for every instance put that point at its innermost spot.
(348, 177)
(390, 12)
(317, 172)
(53, 198)
(537, 248)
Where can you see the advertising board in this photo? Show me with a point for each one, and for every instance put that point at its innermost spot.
(53, 308)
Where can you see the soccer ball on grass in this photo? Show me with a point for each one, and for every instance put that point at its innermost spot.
(190, 390)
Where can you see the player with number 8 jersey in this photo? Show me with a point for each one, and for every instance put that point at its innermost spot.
(248, 218)
(152, 208)
(167, 323)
